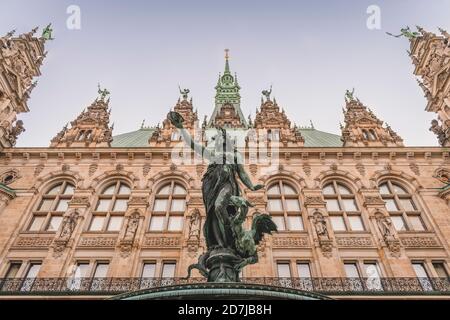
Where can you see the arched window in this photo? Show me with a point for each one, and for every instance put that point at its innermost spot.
(49, 213)
(168, 208)
(405, 214)
(284, 207)
(342, 207)
(365, 134)
(110, 209)
(372, 134)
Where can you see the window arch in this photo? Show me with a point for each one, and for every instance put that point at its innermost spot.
(404, 212)
(342, 207)
(54, 203)
(284, 206)
(168, 208)
(110, 208)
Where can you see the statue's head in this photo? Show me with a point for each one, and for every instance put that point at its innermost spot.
(434, 123)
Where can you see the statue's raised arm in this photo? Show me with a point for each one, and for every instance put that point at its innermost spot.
(177, 120)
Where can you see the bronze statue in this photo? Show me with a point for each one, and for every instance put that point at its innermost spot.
(219, 184)
(184, 93)
(267, 93)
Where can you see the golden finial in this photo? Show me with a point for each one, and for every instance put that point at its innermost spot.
(227, 56)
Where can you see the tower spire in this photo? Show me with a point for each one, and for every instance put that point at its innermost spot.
(227, 109)
(227, 64)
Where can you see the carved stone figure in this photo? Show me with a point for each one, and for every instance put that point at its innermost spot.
(320, 225)
(194, 225)
(219, 263)
(16, 131)
(133, 224)
(384, 225)
(68, 225)
(439, 132)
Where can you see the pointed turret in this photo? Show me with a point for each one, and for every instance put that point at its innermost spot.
(363, 128)
(227, 112)
(90, 129)
(20, 60)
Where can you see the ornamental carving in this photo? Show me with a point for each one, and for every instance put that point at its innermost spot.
(419, 242)
(79, 201)
(98, 242)
(33, 242)
(138, 201)
(162, 242)
(307, 170)
(326, 245)
(195, 200)
(9, 177)
(354, 242)
(256, 200)
(290, 242)
(373, 200)
(317, 200)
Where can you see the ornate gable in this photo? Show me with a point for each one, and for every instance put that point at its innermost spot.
(168, 133)
(363, 128)
(269, 118)
(90, 129)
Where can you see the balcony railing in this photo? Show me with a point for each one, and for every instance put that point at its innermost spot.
(327, 286)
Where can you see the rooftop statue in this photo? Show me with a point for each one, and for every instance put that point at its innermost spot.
(267, 93)
(103, 93)
(350, 96)
(184, 92)
(407, 33)
(229, 247)
(47, 33)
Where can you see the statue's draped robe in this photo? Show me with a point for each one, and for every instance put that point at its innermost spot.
(215, 179)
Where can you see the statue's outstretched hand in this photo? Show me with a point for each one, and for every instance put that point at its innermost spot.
(258, 187)
(176, 119)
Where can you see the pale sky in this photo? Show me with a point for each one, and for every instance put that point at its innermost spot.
(311, 51)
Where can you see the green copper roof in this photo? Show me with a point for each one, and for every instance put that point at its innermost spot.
(316, 138)
(133, 139)
(313, 138)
